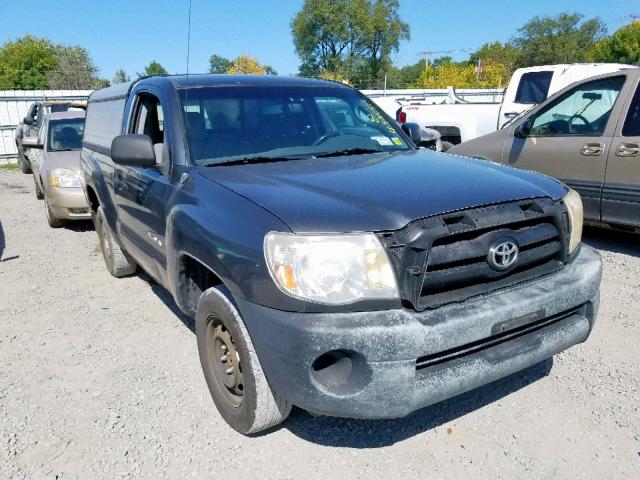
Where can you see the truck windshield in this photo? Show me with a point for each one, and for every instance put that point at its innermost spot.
(65, 134)
(247, 123)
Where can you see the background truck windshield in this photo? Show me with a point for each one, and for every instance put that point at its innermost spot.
(227, 124)
(65, 134)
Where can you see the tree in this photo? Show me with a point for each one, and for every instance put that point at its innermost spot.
(463, 75)
(347, 38)
(497, 53)
(218, 64)
(269, 70)
(246, 65)
(120, 77)
(622, 47)
(26, 62)
(75, 70)
(565, 38)
(154, 68)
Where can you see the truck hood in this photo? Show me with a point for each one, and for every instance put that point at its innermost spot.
(377, 192)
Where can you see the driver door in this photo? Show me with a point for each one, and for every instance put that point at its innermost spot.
(569, 138)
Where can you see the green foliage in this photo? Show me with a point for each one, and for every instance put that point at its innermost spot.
(74, 71)
(154, 68)
(348, 39)
(120, 77)
(565, 38)
(12, 167)
(26, 62)
(218, 64)
(622, 47)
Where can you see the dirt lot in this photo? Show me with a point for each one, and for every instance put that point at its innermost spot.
(99, 378)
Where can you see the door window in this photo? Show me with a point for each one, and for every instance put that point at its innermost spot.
(149, 120)
(533, 87)
(583, 110)
(631, 126)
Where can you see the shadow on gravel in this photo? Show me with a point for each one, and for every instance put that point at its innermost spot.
(166, 297)
(3, 245)
(79, 226)
(341, 432)
(613, 241)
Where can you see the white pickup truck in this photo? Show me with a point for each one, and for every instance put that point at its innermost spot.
(459, 120)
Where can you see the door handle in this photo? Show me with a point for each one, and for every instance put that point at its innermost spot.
(592, 149)
(510, 114)
(628, 150)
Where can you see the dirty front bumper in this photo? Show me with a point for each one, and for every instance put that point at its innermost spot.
(386, 364)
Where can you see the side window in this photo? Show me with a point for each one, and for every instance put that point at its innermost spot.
(533, 87)
(631, 126)
(149, 120)
(583, 110)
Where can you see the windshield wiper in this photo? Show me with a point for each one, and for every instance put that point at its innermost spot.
(248, 160)
(348, 151)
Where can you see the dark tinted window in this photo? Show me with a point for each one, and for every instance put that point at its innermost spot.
(65, 134)
(631, 126)
(534, 87)
(226, 124)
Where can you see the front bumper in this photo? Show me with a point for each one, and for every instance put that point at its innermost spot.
(68, 203)
(401, 360)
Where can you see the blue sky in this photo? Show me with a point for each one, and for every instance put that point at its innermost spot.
(131, 33)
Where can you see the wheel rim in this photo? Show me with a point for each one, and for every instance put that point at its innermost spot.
(225, 362)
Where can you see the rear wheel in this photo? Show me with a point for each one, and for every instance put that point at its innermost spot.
(116, 259)
(231, 367)
(52, 220)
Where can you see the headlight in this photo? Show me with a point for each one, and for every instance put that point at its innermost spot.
(330, 269)
(576, 214)
(65, 178)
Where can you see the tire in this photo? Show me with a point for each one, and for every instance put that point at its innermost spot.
(446, 146)
(248, 405)
(39, 194)
(116, 259)
(52, 220)
(23, 163)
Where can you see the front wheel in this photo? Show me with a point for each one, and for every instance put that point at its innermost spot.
(231, 366)
(39, 194)
(52, 220)
(117, 260)
(23, 163)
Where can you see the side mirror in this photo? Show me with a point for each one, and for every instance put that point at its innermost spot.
(28, 120)
(413, 131)
(133, 151)
(31, 142)
(524, 129)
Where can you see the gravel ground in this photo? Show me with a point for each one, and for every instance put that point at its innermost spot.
(99, 378)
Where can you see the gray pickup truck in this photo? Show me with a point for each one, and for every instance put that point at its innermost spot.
(327, 261)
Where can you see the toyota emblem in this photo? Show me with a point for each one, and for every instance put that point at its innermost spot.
(503, 254)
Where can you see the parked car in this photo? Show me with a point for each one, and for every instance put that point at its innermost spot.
(459, 121)
(55, 161)
(32, 123)
(588, 136)
(331, 265)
